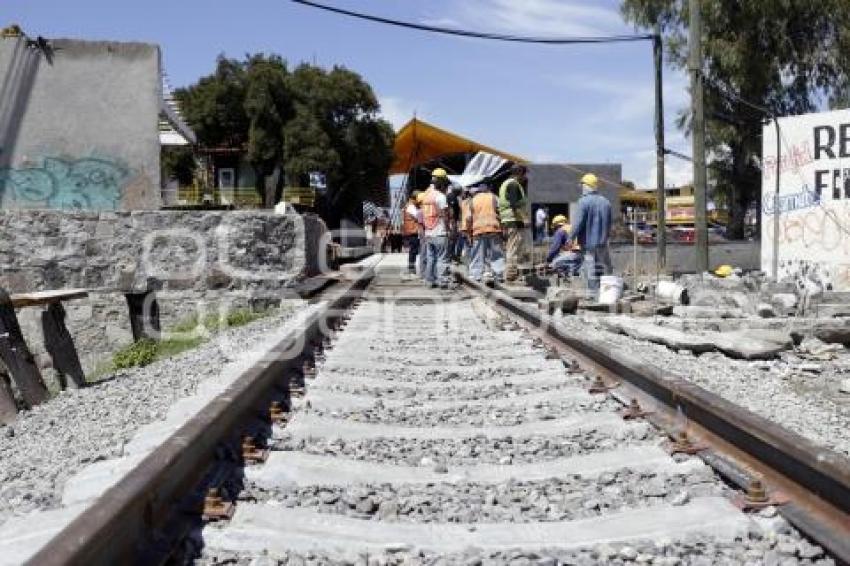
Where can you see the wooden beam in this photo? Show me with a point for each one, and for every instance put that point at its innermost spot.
(8, 409)
(144, 315)
(60, 346)
(44, 298)
(17, 356)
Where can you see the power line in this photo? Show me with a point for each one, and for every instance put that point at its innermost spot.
(477, 34)
(686, 157)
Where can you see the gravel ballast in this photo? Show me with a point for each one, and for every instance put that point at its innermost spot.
(49, 443)
(422, 473)
(556, 499)
(468, 451)
(798, 394)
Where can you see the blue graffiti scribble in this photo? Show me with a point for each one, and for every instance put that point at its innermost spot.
(81, 184)
(30, 185)
(806, 198)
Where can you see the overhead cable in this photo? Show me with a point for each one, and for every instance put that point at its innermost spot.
(477, 34)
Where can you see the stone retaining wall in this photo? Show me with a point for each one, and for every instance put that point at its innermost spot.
(197, 262)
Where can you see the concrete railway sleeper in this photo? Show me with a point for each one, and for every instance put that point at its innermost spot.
(436, 430)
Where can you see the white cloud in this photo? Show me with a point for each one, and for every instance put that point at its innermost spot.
(677, 172)
(534, 17)
(399, 111)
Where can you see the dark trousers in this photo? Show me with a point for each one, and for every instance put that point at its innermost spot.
(395, 243)
(412, 243)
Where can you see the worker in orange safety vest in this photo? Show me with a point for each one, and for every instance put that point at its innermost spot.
(436, 219)
(410, 228)
(485, 226)
(464, 235)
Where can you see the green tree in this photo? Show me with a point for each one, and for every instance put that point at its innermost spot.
(214, 106)
(293, 124)
(788, 56)
(268, 107)
(336, 131)
(177, 162)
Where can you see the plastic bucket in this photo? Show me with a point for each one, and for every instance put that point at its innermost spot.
(610, 289)
(671, 291)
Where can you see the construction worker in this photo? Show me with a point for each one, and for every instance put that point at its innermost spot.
(513, 206)
(591, 229)
(564, 254)
(410, 226)
(486, 228)
(453, 199)
(464, 235)
(436, 218)
(420, 196)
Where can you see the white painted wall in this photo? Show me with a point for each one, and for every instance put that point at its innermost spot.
(814, 198)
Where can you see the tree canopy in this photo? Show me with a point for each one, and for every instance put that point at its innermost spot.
(786, 56)
(293, 123)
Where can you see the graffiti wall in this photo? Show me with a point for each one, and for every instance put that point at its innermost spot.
(806, 226)
(79, 125)
(75, 184)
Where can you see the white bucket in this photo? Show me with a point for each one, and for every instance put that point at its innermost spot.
(671, 291)
(610, 289)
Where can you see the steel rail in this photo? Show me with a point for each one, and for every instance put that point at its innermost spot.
(741, 444)
(127, 521)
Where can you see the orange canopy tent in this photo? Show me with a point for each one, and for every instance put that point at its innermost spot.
(419, 142)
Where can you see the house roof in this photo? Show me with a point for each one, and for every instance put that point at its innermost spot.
(173, 130)
(419, 142)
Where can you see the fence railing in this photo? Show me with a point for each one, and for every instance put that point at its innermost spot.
(239, 197)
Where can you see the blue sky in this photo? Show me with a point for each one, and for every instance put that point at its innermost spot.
(551, 104)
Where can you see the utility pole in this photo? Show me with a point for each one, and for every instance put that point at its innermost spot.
(661, 197)
(775, 264)
(698, 133)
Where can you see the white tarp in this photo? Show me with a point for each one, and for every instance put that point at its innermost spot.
(482, 166)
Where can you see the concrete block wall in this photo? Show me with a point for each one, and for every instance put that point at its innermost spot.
(79, 125)
(197, 262)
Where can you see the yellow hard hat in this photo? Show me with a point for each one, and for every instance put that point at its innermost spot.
(590, 180)
(558, 220)
(723, 271)
(439, 173)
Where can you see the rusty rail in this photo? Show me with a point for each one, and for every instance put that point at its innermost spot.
(742, 444)
(129, 522)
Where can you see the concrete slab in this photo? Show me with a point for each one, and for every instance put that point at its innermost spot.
(751, 344)
(22, 537)
(669, 337)
(259, 528)
(305, 425)
(505, 353)
(528, 364)
(419, 347)
(691, 311)
(302, 469)
(336, 401)
(92, 481)
(543, 378)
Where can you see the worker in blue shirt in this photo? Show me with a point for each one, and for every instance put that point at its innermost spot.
(564, 254)
(591, 228)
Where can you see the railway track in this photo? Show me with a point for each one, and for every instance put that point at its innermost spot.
(436, 428)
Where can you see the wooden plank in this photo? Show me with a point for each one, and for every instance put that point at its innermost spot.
(43, 298)
(8, 410)
(17, 356)
(61, 347)
(144, 315)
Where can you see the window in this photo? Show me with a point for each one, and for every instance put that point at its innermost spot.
(226, 178)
